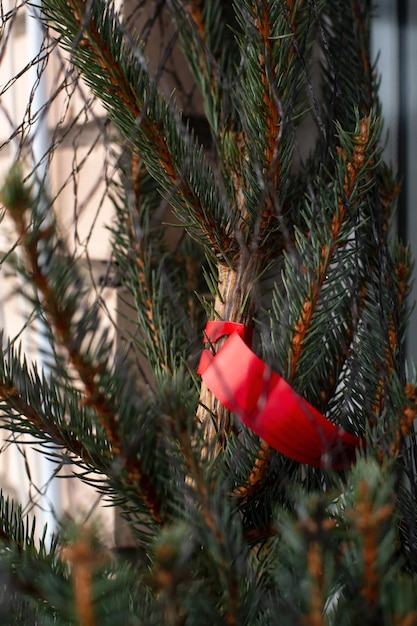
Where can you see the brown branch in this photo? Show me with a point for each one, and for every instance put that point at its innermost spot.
(315, 569)
(89, 373)
(400, 282)
(272, 115)
(353, 168)
(271, 76)
(194, 11)
(92, 41)
(83, 561)
(251, 487)
(271, 110)
(196, 481)
(367, 520)
(16, 402)
(137, 173)
(61, 319)
(257, 537)
(410, 412)
(406, 422)
(313, 529)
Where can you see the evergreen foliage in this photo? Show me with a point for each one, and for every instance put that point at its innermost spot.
(293, 242)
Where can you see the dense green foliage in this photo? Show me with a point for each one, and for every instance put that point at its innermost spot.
(225, 529)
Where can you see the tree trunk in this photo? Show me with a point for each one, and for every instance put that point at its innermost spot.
(234, 302)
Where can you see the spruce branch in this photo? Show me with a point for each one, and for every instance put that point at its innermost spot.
(298, 247)
(68, 429)
(394, 339)
(405, 423)
(26, 562)
(274, 114)
(59, 308)
(348, 83)
(362, 27)
(207, 36)
(61, 317)
(83, 560)
(194, 11)
(367, 518)
(147, 286)
(152, 275)
(112, 63)
(354, 168)
(255, 478)
(53, 433)
(274, 40)
(273, 108)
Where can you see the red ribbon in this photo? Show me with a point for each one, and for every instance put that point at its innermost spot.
(268, 405)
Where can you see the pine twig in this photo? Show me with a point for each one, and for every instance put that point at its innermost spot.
(15, 401)
(353, 168)
(315, 616)
(252, 485)
(61, 318)
(367, 520)
(194, 11)
(89, 41)
(83, 560)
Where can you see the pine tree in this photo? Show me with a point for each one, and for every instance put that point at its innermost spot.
(283, 493)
